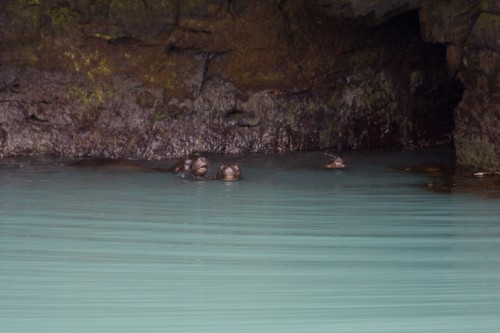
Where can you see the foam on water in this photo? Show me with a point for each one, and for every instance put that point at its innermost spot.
(291, 248)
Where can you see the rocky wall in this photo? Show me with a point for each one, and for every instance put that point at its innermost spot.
(471, 31)
(163, 78)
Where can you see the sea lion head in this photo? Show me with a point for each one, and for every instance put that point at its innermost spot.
(337, 163)
(229, 172)
(194, 165)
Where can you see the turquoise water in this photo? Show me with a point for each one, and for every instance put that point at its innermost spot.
(291, 248)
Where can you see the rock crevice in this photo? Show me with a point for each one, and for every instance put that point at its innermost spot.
(155, 79)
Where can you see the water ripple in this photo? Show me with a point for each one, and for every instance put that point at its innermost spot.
(289, 249)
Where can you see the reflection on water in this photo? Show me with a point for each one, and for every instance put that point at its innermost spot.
(292, 248)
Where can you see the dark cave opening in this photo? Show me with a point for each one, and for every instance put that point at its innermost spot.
(399, 93)
(264, 80)
(433, 111)
(434, 90)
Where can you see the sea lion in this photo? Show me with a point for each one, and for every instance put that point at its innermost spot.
(229, 172)
(336, 163)
(194, 165)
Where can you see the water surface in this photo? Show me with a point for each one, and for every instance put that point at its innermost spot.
(291, 248)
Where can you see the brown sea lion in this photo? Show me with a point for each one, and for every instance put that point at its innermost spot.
(336, 163)
(194, 165)
(229, 172)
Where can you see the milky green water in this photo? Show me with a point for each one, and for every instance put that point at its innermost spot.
(292, 248)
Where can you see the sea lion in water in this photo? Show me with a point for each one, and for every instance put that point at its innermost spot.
(193, 165)
(229, 172)
(336, 163)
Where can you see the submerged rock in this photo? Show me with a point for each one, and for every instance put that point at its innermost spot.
(452, 178)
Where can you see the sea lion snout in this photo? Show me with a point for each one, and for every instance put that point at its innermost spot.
(198, 166)
(337, 163)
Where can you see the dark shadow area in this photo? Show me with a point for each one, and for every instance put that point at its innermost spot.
(433, 92)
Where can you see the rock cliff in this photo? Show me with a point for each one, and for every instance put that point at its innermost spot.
(162, 78)
(471, 31)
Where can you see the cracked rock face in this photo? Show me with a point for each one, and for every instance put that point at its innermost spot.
(155, 79)
(370, 11)
(471, 29)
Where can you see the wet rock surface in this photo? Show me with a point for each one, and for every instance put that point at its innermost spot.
(369, 11)
(471, 30)
(158, 79)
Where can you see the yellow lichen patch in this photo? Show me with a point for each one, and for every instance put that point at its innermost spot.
(256, 70)
(264, 55)
(101, 68)
(69, 55)
(60, 16)
(103, 36)
(99, 94)
(150, 80)
(94, 96)
(91, 99)
(75, 90)
(72, 56)
(157, 69)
